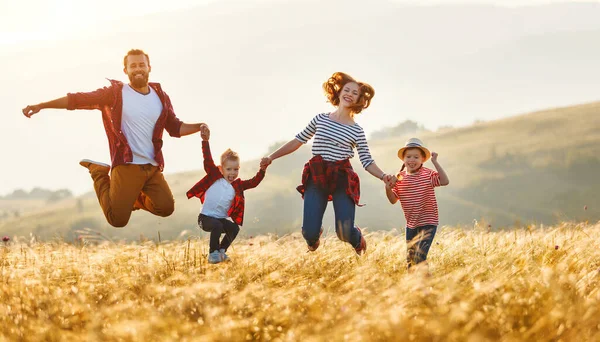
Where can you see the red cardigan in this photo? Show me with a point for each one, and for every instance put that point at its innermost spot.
(109, 100)
(236, 211)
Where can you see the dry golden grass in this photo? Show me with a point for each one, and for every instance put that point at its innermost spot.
(485, 286)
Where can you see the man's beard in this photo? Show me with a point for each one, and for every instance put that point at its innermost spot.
(138, 82)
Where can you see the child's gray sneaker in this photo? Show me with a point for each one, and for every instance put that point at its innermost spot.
(224, 257)
(214, 257)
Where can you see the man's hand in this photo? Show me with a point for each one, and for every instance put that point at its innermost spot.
(263, 166)
(264, 162)
(31, 109)
(204, 132)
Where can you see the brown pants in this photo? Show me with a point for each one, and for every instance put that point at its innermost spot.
(130, 187)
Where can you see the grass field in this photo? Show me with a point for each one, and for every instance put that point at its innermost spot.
(533, 284)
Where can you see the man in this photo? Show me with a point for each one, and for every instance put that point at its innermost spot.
(134, 117)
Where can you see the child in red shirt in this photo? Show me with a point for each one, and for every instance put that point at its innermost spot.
(415, 190)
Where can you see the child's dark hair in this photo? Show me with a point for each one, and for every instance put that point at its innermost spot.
(334, 85)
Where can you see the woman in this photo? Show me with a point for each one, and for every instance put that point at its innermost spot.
(329, 176)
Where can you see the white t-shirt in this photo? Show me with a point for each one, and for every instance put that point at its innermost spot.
(140, 113)
(217, 199)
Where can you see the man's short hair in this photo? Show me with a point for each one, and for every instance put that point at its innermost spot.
(135, 52)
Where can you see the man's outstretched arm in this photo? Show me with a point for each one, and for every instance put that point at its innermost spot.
(60, 103)
(90, 100)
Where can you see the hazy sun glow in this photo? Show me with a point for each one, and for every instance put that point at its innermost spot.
(51, 48)
(36, 20)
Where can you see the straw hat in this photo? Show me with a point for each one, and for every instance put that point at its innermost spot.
(414, 142)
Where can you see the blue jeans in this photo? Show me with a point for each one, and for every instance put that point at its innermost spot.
(315, 203)
(418, 241)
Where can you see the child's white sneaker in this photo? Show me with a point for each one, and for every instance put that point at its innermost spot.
(224, 257)
(214, 257)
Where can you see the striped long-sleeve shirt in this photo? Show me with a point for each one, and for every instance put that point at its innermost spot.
(336, 141)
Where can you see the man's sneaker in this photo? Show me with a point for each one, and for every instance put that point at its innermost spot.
(362, 248)
(316, 244)
(89, 164)
(214, 257)
(224, 257)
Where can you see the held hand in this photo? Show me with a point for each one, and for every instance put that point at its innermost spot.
(388, 185)
(390, 180)
(434, 156)
(264, 162)
(263, 166)
(204, 132)
(31, 109)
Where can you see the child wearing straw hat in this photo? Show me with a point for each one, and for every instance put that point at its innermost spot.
(415, 190)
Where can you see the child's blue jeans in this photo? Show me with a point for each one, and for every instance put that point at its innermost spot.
(418, 241)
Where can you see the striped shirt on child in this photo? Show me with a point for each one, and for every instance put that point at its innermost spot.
(417, 197)
(336, 141)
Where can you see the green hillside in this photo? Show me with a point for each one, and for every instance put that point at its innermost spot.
(540, 167)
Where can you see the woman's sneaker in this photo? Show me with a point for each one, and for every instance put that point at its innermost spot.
(362, 248)
(214, 257)
(224, 257)
(316, 244)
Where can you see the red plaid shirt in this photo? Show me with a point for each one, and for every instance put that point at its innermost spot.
(325, 175)
(109, 100)
(236, 211)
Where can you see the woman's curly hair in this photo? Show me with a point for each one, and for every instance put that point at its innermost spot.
(334, 85)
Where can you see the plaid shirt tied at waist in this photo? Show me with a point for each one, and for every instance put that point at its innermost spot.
(325, 174)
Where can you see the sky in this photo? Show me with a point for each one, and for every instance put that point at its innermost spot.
(25, 23)
(28, 20)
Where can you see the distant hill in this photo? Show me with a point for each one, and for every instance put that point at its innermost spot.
(538, 168)
(38, 193)
(407, 127)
